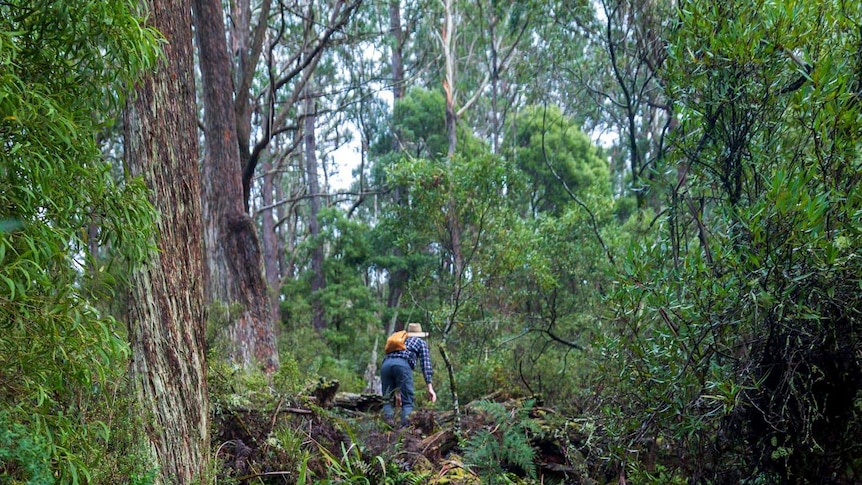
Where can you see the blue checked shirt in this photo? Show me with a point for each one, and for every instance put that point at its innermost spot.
(416, 347)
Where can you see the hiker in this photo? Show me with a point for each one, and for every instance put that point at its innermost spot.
(403, 349)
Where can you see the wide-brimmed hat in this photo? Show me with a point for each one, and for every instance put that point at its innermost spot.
(415, 330)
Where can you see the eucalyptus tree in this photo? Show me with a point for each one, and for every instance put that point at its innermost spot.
(250, 101)
(351, 76)
(296, 36)
(309, 139)
(67, 228)
(414, 59)
(399, 36)
(421, 226)
(501, 34)
(735, 344)
(335, 94)
(459, 50)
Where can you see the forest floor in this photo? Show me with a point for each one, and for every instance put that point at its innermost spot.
(342, 438)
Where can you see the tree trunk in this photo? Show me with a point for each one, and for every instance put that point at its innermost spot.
(234, 261)
(269, 238)
(496, 119)
(246, 42)
(166, 313)
(318, 279)
(397, 33)
(454, 222)
(399, 277)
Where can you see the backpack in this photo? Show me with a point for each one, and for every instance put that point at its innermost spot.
(396, 341)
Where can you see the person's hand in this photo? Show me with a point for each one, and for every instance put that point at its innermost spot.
(432, 393)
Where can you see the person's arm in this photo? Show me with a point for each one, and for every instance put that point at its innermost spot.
(427, 370)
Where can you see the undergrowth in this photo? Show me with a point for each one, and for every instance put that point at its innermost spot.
(504, 444)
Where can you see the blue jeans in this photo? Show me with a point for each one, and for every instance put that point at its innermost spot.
(396, 374)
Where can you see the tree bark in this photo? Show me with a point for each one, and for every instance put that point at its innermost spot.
(234, 261)
(166, 312)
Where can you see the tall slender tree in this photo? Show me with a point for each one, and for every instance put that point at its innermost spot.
(269, 238)
(399, 277)
(318, 279)
(167, 313)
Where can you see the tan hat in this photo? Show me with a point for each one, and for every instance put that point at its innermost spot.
(415, 330)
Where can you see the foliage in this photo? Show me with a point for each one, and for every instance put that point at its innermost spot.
(476, 376)
(604, 68)
(421, 224)
(286, 447)
(118, 457)
(350, 308)
(314, 354)
(736, 335)
(659, 476)
(524, 276)
(64, 67)
(505, 442)
(420, 119)
(22, 455)
(351, 468)
(232, 387)
(557, 159)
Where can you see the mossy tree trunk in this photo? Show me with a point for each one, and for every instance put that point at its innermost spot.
(166, 314)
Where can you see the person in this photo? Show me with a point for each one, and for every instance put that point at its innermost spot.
(396, 373)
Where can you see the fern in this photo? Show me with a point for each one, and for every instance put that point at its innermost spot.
(517, 450)
(352, 467)
(407, 477)
(507, 442)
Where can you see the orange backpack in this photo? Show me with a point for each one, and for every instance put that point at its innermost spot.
(396, 341)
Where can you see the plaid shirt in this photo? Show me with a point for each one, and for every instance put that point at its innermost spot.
(416, 347)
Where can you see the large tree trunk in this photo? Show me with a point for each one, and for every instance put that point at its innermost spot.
(166, 314)
(234, 261)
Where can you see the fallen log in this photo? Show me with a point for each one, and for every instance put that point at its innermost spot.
(358, 402)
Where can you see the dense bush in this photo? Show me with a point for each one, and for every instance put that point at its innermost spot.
(735, 342)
